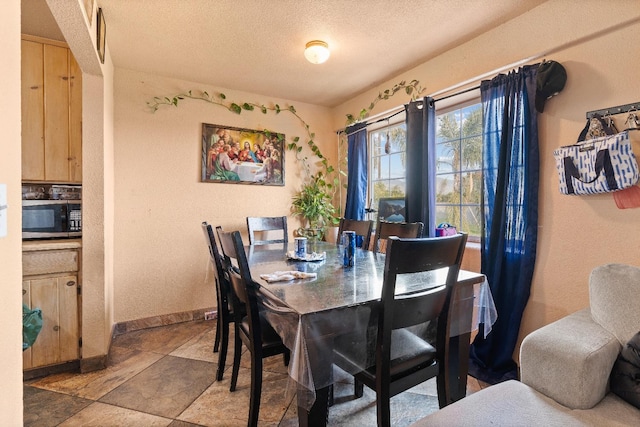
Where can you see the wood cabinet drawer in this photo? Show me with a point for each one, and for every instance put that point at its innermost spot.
(47, 262)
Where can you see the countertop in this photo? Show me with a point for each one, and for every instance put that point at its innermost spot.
(47, 245)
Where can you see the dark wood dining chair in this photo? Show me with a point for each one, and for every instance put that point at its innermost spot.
(253, 330)
(267, 224)
(362, 228)
(402, 358)
(385, 229)
(225, 314)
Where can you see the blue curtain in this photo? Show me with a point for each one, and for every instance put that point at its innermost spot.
(511, 172)
(421, 164)
(357, 159)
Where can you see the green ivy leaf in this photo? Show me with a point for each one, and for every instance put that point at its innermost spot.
(222, 96)
(263, 109)
(293, 110)
(296, 138)
(247, 107)
(235, 108)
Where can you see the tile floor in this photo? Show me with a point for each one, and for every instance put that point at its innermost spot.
(164, 376)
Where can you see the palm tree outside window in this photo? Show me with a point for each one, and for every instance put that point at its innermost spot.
(459, 169)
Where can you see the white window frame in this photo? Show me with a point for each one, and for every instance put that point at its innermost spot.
(397, 119)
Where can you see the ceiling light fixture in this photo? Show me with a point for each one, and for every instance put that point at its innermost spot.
(316, 51)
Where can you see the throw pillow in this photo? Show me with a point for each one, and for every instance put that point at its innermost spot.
(625, 375)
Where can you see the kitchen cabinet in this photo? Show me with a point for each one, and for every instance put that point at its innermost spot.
(51, 283)
(51, 112)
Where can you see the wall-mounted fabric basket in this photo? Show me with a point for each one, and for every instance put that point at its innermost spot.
(599, 165)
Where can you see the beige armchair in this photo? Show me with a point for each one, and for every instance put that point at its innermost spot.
(564, 366)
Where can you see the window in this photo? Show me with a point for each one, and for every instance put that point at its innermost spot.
(387, 163)
(458, 167)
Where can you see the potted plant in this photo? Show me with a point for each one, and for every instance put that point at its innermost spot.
(314, 202)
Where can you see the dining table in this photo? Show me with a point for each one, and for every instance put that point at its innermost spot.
(335, 304)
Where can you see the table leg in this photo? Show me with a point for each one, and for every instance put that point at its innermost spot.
(318, 415)
(459, 344)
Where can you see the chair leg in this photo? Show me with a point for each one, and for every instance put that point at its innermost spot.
(222, 355)
(330, 403)
(237, 352)
(216, 343)
(287, 357)
(256, 388)
(384, 412)
(444, 389)
(358, 388)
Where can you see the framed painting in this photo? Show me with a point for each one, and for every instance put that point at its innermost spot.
(242, 156)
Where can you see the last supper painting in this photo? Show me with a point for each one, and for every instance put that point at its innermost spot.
(233, 155)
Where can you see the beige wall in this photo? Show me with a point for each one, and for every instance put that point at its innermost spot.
(161, 261)
(594, 41)
(11, 245)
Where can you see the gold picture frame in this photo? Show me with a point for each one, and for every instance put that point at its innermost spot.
(101, 35)
(233, 155)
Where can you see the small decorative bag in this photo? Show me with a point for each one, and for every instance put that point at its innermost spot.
(599, 165)
(445, 229)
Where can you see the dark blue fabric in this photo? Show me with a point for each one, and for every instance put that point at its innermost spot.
(511, 175)
(420, 193)
(358, 166)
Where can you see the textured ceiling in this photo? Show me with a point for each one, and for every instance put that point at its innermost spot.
(257, 45)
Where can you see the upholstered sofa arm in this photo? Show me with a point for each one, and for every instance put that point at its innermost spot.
(570, 360)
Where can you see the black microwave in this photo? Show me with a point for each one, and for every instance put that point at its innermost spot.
(51, 211)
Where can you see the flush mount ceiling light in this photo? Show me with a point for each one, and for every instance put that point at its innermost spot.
(316, 52)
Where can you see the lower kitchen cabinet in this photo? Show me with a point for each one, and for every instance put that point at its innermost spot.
(50, 283)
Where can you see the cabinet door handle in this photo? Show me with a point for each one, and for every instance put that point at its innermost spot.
(56, 328)
(71, 283)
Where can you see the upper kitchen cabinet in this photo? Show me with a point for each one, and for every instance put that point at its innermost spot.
(51, 112)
